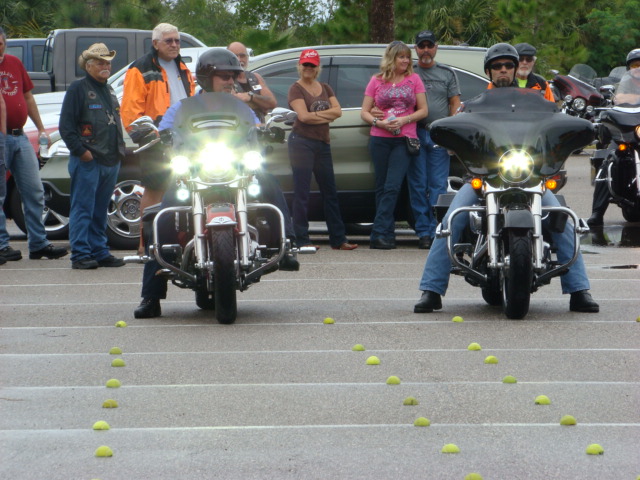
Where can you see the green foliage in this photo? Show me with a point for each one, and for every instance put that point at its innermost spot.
(26, 19)
(208, 20)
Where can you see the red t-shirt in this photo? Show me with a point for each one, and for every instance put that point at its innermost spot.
(14, 82)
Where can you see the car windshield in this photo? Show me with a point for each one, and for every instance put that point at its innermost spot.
(628, 91)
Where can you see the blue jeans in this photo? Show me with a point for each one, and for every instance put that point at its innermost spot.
(21, 160)
(425, 188)
(3, 182)
(437, 269)
(91, 188)
(390, 163)
(308, 157)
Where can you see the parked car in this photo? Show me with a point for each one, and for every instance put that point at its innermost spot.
(28, 50)
(347, 68)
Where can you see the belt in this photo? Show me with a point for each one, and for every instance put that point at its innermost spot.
(16, 132)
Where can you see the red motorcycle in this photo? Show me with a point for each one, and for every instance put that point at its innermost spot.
(577, 92)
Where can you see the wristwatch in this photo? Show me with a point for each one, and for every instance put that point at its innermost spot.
(250, 95)
(375, 120)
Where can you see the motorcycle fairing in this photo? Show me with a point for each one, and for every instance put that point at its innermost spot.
(501, 119)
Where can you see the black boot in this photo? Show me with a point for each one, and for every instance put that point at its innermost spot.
(582, 302)
(148, 308)
(600, 202)
(429, 302)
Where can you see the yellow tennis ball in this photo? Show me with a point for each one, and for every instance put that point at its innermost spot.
(457, 319)
(117, 362)
(110, 403)
(358, 348)
(104, 451)
(421, 422)
(509, 379)
(101, 425)
(491, 360)
(595, 449)
(450, 448)
(410, 401)
(568, 420)
(393, 380)
(542, 400)
(373, 360)
(474, 346)
(329, 321)
(638, 320)
(115, 351)
(473, 476)
(121, 323)
(113, 383)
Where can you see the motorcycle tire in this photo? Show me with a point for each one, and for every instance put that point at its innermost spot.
(516, 283)
(223, 248)
(492, 294)
(631, 214)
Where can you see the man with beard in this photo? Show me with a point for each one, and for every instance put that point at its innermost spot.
(525, 76)
(500, 64)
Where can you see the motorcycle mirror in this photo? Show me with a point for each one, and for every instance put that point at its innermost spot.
(277, 134)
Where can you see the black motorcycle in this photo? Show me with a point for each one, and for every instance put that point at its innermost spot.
(512, 142)
(618, 164)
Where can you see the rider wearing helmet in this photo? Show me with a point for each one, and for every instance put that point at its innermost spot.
(501, 74)
(633, 59)
(216, 71)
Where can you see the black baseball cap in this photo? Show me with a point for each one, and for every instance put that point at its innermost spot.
(425, 36)
(525, 49)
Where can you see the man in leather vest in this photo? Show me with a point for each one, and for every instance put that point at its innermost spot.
(251, 87)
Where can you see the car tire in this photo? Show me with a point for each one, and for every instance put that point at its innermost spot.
(56, 225)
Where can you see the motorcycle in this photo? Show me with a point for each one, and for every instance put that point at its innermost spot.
(223, 238)
(512, 142)
(577, 92)
(618, 163)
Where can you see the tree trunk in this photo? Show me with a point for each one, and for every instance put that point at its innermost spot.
(382, 21)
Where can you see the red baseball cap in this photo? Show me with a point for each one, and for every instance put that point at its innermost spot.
(309, 56)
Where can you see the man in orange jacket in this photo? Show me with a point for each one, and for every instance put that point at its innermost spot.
(525, 76)
(152, 84)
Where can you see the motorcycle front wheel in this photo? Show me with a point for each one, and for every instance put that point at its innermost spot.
(223, 247)
(516, 281)
(631, 214)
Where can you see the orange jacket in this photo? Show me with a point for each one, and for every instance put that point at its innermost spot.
(534, 82)
(146, 91)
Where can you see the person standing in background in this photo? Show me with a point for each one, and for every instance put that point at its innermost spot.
(525, 76)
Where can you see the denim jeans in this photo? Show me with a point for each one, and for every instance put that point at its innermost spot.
(437, 269)
(434, 160)
(308, 157)
(91, 188)
(3, 182)
(390, 163)
(21, 160)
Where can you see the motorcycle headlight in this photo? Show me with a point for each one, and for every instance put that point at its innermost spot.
(252, 160)
(516, 166)
(579, 104)
(217, 162)
(180, 165)
(637, 130)
(254, 188)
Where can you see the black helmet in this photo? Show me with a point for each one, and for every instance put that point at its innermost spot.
(500, 50)
(216, 59)
(633, 55)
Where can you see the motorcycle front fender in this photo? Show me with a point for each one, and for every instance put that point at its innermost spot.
(221, 215)
(518, 219)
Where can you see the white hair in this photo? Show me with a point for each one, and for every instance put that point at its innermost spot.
(161, 29)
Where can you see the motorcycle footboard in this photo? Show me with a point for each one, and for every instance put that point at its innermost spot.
(156, 247)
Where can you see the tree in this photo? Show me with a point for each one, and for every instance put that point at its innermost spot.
(208, 20)
(382, 21)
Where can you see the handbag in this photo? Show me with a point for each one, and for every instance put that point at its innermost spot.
(413, 146)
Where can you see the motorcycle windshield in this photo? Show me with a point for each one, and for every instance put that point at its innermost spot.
(213, 117)
(583, 73)
(628, 91)
(504, 119)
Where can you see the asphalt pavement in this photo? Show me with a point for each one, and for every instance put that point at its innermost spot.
(281, 394)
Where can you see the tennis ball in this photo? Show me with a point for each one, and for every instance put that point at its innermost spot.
(595, 449)
(410, 401)
(357, 348)
(373, 360)
(104, 451)
(113, 383)
(329, 321)
(101, 425)
(542, 400)
(473, 476)
(117, 362)
(509, 379)
(393, 380)
(491, 359)
(110, 403)
(115, 351)
(450, 448)
(121, 323)
(568, 420)
(474, 346)
(421, 422)
(638, 320)
(457, 319)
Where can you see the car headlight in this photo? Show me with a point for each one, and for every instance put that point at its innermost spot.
(217, 162)
(180, 165)
(516, 166)
(59, 148)
(252, 160)
(579, 104)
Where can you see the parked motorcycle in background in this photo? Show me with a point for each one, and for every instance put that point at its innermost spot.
(512, 142)
(576, 91)
(618, 163)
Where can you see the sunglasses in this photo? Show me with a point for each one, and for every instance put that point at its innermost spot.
(225, 77)
(310, 65)
(424, 45)
(499, 65)
(526, 58)
(170, 41)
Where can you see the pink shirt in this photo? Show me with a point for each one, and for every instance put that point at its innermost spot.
(398, 99)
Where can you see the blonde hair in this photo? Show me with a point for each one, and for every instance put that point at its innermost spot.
(388, 62)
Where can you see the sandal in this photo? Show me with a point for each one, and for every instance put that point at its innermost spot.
(346, 246)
